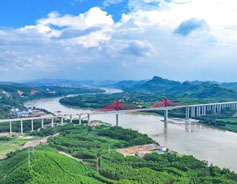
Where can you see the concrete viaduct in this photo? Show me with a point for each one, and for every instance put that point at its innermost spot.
(191, 111)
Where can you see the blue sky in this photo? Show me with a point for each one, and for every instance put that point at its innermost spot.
(118, 39)
(18, 13)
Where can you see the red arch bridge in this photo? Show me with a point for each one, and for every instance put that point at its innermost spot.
(117, 108)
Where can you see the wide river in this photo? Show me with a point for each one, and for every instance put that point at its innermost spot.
(205, 143)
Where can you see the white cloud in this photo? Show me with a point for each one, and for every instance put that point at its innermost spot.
(141, 44)
(94, 17)
(111, 2)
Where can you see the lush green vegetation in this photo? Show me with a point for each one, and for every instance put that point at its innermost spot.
(98, 101)
(45, 165)
(86, 143)
(98, 145)
(175, 90)
(145, 93)
(14, 95)
(4, 111)
(11, 144)
(136, 99)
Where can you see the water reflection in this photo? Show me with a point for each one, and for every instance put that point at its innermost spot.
(165, 132)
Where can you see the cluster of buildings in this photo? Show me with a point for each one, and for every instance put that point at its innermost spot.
(26, 112)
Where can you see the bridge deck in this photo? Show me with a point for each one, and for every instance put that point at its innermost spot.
(115, 112)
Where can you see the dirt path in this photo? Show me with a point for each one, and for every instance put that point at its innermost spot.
(74, 158)
(37, 142)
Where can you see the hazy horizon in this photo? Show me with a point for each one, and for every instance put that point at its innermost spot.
(97, 80)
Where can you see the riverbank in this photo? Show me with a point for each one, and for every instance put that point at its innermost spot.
(203, 142)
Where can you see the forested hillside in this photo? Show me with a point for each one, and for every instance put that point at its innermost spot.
(145, 93)
(44, 165)
(14, 95)
(175, 89)
(96, 148)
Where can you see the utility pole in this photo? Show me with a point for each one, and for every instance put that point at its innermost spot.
(98, 165)
(30, 151)
(117, 115)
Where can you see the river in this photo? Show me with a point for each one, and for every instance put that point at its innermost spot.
(205, 143)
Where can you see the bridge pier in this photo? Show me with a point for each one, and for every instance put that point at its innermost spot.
(165, 115)
(192, 112)
(21, 127)
(88, 119)
(219, 108)
(79, 120)
(199, 111)
(10, 124)
(204, 110)
(208, 108)
(62, 121)
(42, 123)
(52, 122)
(117, 120)
(32, 125)
(187, 113)
(214, 108)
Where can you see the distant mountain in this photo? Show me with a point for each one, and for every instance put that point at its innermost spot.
(230, 85)
(156, 84)
(197, 82)
(68, 83)
(171, 88)
(127, 84)
(175, 89)
(203, 90)
(159, 84)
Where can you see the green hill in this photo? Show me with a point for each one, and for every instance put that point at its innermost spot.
(175, 90)
(204, 90)
(45, 166)
(14, 95)
(229, 85)
(156, 84)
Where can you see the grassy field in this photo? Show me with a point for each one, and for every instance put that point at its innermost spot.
(11, 144)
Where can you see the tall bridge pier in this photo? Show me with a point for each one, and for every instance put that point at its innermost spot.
(88, 119)
(166, 115)
(191, 111)
(21, 126)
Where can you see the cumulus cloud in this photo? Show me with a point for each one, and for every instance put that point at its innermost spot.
(143, 43)
(94, 17)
